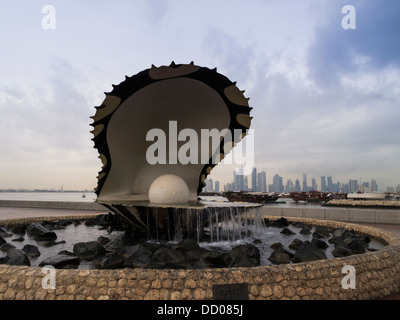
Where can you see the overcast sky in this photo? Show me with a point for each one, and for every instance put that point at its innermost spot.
(326, 99)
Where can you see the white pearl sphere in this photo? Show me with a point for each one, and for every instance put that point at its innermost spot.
(168, 189)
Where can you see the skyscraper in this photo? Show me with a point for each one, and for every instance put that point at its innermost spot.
(262, 181)
(216, 185)
(297, 187)
(254, 180)
(305, 187)
(323, 184)
(330, 184)
(353, 184)
(374, 186)
(277, 184)
(314, 185)
(239, 179)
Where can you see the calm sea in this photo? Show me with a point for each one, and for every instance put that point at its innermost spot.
(91, 196)
(49, 196)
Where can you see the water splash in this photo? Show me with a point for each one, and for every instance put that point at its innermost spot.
(210, 224)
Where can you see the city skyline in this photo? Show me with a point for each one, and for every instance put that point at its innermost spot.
(241, 182)
(325, 97)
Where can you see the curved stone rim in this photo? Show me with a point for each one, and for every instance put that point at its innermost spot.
(377, 275)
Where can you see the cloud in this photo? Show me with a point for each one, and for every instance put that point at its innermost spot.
(371, 46)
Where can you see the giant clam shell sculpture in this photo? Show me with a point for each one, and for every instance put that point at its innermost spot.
(166, 98)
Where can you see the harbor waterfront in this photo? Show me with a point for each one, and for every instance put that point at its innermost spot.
(16, 205)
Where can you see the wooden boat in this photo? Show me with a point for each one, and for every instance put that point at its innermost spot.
(253, 197)
(312, 196)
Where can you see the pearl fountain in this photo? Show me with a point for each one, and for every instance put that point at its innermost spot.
(159, 134)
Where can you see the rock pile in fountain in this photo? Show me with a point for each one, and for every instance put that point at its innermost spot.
(101, 253)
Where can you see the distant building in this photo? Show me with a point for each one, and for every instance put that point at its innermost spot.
(254, 180)
(323, 184)
(209, 185)
(353, 186)
(374, 186)
(289, 186)
(314, 185)
(305, 187)
(216, 186)
(277, 184)
(297, 187)
(262, 181)
(390, 189)
(330, 184)
(238, 178)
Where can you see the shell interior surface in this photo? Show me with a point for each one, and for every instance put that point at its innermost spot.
(162, 112)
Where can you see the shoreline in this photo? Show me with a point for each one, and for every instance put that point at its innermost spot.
(363, 204)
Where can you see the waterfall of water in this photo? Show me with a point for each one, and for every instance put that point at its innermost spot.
(210, 224)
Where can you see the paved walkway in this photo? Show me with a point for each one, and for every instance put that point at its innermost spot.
(18, 213)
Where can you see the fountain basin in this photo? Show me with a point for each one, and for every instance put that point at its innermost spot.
(376, 277)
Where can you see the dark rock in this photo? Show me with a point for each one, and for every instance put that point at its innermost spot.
(296, 244)
(6, 246)
(305, 230)
(280, 223)
(113, 262)
(339, 232)
(322, 230)
(19, 229)
(103, 240)
(16, 257)
(90, 223)
(319, 243)
(20, 239)
(216, 259)
(287, 232)
(257, 241)
(136, 256)
(341, 251)
(337, 241)
(168, 258)
(276, 245)
(88, 250)
(40, 233)
(298, 224)
(266, 222)
(357, 247)
(46, 236)
(31, 251)
(2, 240)
(279, 257)
(4, 232)
(308, 252)
(318, 235)
(49, 225)
(52, 243)
(190, 248)
(187, 245)
(364, 238)
(245, 256)
(62, 223)
(60, 261)
(66, 252)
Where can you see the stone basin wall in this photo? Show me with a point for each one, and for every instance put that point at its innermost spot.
(377, 276)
